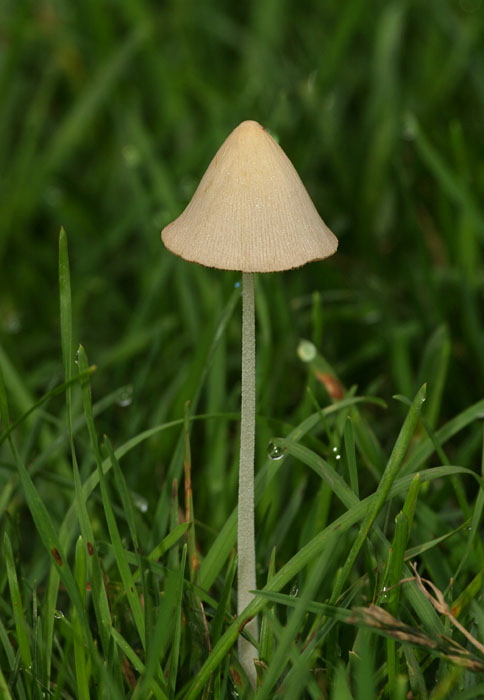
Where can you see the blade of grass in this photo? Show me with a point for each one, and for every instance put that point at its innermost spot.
(119, 551)
(388, 477)
(225, 541)
(4, 689)
(193, 388)
(136, 662)
(266, 640)
(279, 660)
(13, 659)
(193, 564)
(223, 607)
(43, 522)
(365, 667)
(425, 448)
(453, 185)
(433, 370)
(350, 454)
(21, 625)
(101, 605)
(476, 516)
(177, 632)
(72, 129)
(80, 661)
(340, 688)
(162, 633)
(57, 391)
(313, 548)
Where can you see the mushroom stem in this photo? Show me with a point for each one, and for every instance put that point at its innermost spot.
(246, 580)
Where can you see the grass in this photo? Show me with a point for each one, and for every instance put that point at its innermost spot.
(121, 376)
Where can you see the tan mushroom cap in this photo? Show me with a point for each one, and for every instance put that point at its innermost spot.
(250, 212)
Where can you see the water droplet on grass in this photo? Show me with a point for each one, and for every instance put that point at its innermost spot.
(306, 351)
(140, 503)
(125, 396)
(274, 451)
(59, 615)
(294, 592)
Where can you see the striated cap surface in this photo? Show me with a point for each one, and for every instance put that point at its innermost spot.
(250, 212)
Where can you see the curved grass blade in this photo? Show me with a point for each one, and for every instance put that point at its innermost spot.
(225, 541)
(312, 549)
(60, 389)
(388, 477)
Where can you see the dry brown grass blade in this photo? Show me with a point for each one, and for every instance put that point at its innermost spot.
(441, 606)
(382, 622)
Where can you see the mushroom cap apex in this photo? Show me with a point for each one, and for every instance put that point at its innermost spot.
(250, 212)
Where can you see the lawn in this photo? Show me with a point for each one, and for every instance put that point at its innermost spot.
(120, 362)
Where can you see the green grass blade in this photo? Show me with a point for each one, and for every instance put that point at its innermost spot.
(226, 539)
(177, 632)
(42, 520)
(433, 370)
(306, 555)
(452, 184)
(162, 633)
(425, 448)
(266, 637)
(223, 607)
(21, 625)
(65, 307)
(119, 551)
(72, 129)
(321, 467)
(80, 662)
(279, 660)
(349, 441)
(389, 475)
(4, 689)
(100, 600)
(57, 391)
(365, 667)
(136, 662)
(341, 689)
(476, 516)
(101, 605)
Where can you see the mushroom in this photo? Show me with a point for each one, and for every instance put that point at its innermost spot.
(251, 213)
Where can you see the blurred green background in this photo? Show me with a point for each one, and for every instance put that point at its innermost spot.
(109, 114)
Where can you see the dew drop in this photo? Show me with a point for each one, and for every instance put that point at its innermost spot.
(237, 285)
(384, 594)
(336, 453)
(140, 502)
(294, 592)
(274, 452)
(306, 351)
(76, 357)
(59, 615)
(125, 396)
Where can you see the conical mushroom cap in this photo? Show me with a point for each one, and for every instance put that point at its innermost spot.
(250, 212)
